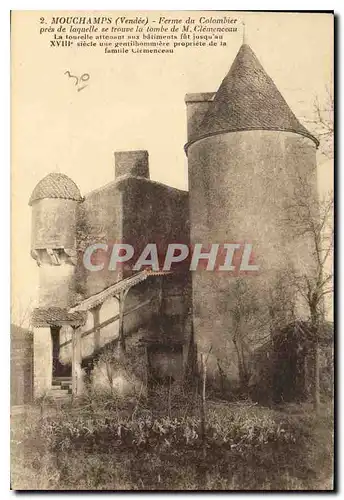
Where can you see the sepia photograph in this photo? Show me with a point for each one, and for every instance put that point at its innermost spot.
(172, 215)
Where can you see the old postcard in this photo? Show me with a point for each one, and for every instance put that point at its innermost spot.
(172, 250)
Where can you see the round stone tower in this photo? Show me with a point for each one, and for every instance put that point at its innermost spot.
(53, 242)
(246, 156)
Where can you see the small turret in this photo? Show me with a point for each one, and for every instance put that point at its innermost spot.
(53, 239)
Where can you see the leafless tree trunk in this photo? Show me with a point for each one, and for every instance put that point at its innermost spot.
(204, 378)
(20, 314)
(313, 219)
(204, 361)
(317, 222)
(322, 121)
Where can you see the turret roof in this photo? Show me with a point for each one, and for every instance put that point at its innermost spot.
(248, 99)
(56, 185)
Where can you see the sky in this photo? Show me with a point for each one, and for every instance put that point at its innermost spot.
(136, 101)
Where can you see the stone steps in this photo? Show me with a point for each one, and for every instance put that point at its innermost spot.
(63, 395)
(61, 388)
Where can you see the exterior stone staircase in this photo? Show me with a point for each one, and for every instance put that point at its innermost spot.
(61, 389)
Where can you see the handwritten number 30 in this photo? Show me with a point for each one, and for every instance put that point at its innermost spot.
(83, 78)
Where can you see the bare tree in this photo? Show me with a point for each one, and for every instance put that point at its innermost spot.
(111, 364)
(241, 309)
(258, 309)
(311, 219)
(108, 360)
(250, 325)
(322, 121)
(21, 313)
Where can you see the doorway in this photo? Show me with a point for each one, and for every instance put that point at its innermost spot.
(59, 369)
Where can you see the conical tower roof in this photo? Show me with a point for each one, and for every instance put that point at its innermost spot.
(248, 99)
(56, 185)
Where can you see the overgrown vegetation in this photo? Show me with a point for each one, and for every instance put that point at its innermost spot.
(111, 444)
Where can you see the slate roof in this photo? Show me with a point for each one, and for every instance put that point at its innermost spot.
(56, 185)
(55, 316)
(248, 99)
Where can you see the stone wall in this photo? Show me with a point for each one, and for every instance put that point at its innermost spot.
(21, 366)
(153, 213)
(100, 220)
(240, 184)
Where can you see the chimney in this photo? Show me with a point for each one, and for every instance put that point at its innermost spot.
(132, 163)
(196, 107)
